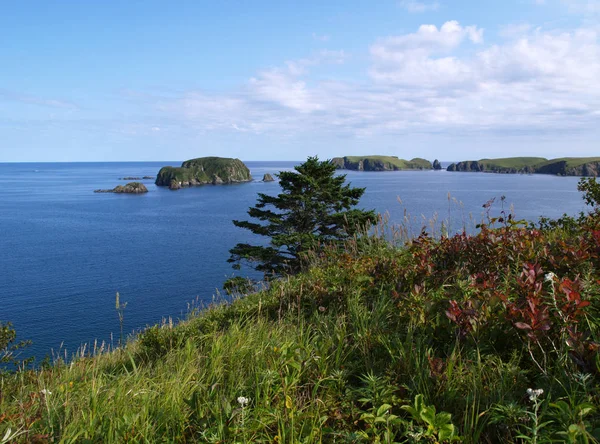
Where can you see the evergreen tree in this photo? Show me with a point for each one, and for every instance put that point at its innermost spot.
(314, 207)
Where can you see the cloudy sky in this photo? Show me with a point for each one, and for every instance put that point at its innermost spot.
(281, 80)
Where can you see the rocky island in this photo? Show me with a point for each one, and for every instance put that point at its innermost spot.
(380, 163)
(137, 178)
(268, 178)
(130, 188)
(565, 166)
(202, 171)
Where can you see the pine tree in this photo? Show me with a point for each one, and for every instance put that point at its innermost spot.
(315, 207)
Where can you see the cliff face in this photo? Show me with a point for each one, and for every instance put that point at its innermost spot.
(202, 171)
(467, 165)
(562, 168)
(380, 163)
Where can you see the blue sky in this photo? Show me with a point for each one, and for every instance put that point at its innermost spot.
(258, 80)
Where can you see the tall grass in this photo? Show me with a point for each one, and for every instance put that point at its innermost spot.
(384, 340)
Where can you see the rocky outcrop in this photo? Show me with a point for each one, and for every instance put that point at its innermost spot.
(467, 165)
(202, 171)
(130, 188)
(268, 178)
(380, 163)
(437, 165)
(137, 178)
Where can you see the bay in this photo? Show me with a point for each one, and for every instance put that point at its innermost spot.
(65, 251)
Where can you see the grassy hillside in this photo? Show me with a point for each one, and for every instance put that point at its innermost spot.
(512, 162)
(570, 162)
(420, 341)
(566, 166)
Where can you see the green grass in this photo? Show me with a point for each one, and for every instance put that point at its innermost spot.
(512, 162)
(572, 162)
(362, 347)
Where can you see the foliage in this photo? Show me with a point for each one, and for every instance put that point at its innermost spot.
(591, 190)
(492, 337)
(9, 347)
(314, 208)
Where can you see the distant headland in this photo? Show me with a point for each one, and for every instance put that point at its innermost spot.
(380, 163)
(202, 171)
(564, 166)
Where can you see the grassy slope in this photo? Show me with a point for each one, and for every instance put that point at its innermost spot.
(572, 161)
(512, 162)
(318, 353)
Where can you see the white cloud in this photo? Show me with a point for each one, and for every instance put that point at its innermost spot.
(36, 100)
(320, 38)
(583, 6)
(433, 80)
(411, 59)
(419, 7)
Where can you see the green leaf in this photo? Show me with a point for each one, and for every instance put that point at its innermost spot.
(383, 409)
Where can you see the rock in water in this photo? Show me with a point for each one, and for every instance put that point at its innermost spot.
(268, 178)
(130, 188)
(437, 165)
(204, 170)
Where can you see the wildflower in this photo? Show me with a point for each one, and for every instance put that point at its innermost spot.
(46, 392)
(243, 401)
(549, 277)
(534, 394)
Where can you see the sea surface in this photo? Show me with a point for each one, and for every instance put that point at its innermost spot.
(65, 251)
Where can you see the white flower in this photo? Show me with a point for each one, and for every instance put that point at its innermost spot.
(549, 277)
(243, 401)
(534, 394)
(46, 392)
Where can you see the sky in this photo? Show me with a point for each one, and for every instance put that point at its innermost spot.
(150, 80)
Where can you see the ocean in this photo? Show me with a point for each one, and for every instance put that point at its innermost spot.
(65, 250)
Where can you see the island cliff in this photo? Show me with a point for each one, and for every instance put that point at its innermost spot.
(566, 166)
(380, 163)
(202, 171)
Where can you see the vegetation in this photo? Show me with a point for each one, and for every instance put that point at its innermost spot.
(315, 207)
(511, 162)
(566, 166)
(492, 337)
(130, 188)
(202, 171)
(380, 163)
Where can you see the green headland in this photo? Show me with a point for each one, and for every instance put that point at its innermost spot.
(380, 163)
(566, 166)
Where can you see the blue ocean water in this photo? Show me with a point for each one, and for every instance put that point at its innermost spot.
(65, 251)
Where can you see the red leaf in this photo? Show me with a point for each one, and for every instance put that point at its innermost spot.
(522, 326)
